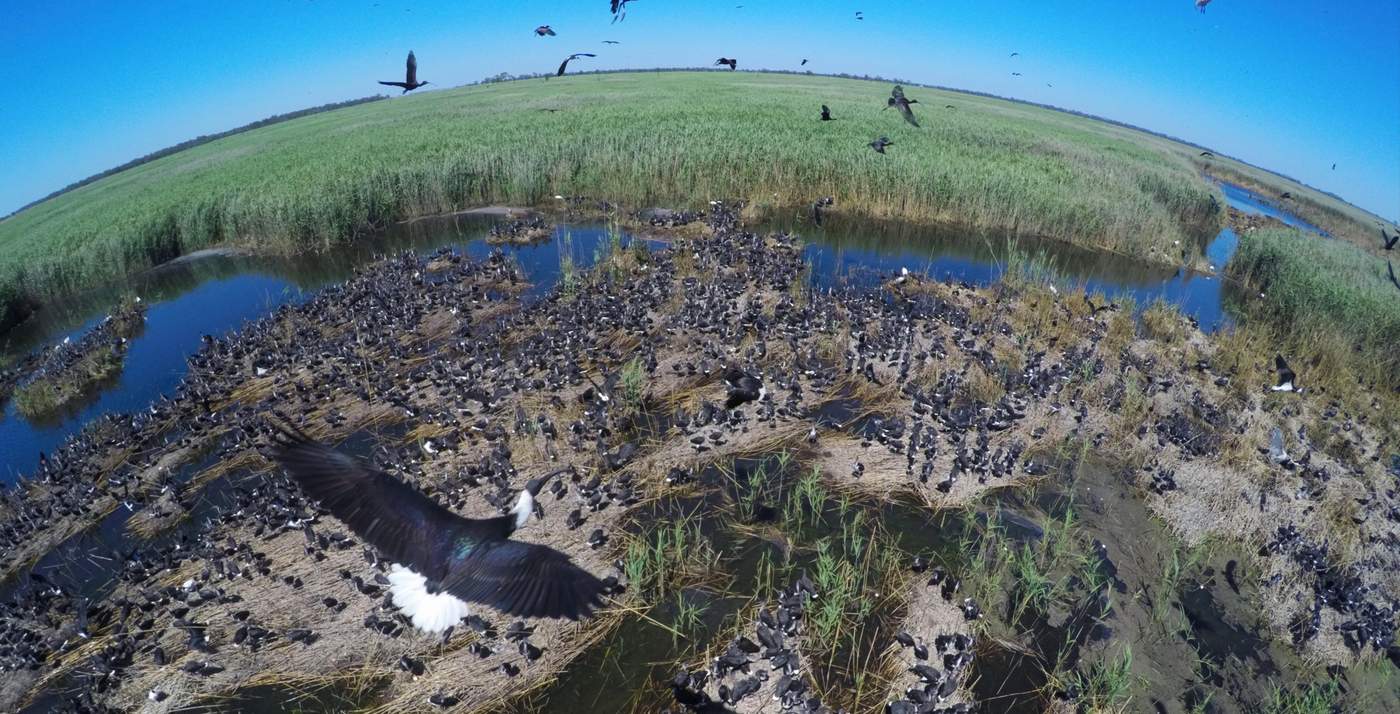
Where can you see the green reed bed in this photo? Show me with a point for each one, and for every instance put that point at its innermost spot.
(1332, 304)
(638, 139)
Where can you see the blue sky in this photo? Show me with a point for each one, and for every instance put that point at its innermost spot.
(1289, 85)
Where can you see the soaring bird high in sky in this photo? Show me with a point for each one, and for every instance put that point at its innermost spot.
(619, 9)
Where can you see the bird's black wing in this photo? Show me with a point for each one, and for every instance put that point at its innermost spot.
(562, 66)
(1390, 267)
(411, 74)
(394, 84)
(524, 580)
(383, 511)
(898, 93)
(907, 111)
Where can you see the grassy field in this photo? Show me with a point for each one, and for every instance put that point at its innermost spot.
(1330, 302)
(676, 138)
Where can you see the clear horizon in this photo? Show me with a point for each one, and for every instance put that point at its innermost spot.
(1296, 88)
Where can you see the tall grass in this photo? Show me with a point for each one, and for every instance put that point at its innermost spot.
(640, 139)
(1331, 302)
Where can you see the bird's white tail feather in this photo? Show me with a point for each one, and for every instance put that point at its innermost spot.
(429, 612)
(524, 508)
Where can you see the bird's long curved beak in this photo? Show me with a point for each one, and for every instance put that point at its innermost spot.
(535, 485)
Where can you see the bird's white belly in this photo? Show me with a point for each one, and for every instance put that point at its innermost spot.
(431, 612)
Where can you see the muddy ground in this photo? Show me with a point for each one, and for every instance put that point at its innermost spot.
(1107, 475)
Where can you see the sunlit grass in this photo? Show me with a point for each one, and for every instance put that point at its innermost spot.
(1332, 305)
(636, 139)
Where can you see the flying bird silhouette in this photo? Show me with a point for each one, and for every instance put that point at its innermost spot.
(804, 62)
(1015, 54)
(565, 64)
(442, 561)
(619, 9)
(1015, 74)
(1389, 241)
(544, 30)
(732, 63)
(1201, 5)
(1391, 268)
(1207, 154)
(410, 80)
(900, 102)
(826, 113)
(611, 42)
(879, 144)
(860, 15)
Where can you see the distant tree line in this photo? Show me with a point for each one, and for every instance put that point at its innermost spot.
(203, 139)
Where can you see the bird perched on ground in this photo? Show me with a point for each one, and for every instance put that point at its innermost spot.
(1388, 241)
(742, 388)
(619, 9)
(442, 561)
(817, 207)
(826, 113)
(1286, 377)
(733, 63)
(544, 30)
(565, 64)
(1277, 453)
(410, 81)
(1201, 5)
(900, 102)
(879, 144)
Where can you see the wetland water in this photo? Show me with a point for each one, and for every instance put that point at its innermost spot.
(218, 292)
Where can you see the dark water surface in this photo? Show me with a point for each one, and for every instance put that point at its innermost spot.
(219, 292)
